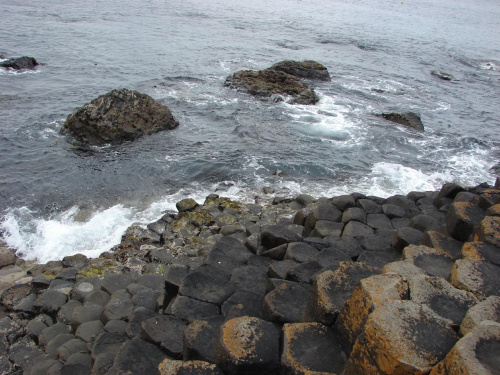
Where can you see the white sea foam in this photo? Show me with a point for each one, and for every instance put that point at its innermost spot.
(328, 120)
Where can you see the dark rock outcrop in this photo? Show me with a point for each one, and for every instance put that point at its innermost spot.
(409, 119)
(19, 63)
(303, 69)
(444, 76)
(268, 82)
(118, 116)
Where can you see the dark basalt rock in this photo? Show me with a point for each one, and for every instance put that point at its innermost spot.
(200, 339)
(268, 82)
(166, 331)
(409, 119)
(311, 348)
(118, 116)
(236, 356)
(137, 357)
(444, 76)
(303, 69)
(19, 63)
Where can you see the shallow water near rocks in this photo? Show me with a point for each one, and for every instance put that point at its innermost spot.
(58, 200)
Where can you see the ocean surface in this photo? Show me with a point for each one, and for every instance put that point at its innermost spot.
(57, 200)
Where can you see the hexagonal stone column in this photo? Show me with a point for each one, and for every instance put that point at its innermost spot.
(332, 288)
(310, 348)
(401, 337)
(370, 293)
(475, 354)
(248, 345)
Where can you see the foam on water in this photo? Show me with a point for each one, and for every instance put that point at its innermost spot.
(66, 234)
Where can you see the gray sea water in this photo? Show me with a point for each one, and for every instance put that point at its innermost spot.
(57, 200)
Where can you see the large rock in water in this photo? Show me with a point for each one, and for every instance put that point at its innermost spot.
(19, 63)
(409, 119)
(304, 69)
(269, 82)
(120, 115)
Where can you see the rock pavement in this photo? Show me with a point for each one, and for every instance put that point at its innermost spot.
(343, 285)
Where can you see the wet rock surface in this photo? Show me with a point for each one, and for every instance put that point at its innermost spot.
(336, 278)
(282, 80)
(118, 116)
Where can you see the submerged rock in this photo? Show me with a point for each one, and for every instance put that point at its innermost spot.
(19, 63)
(303, 69)
(409, 119)
(444, 76)
(118, 116)
(269, 82)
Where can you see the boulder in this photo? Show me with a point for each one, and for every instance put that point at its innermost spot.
(118, 116)
(248, 345)
(207, 284)
(190, 309)
(19, 63)
(310, 348)
(409, 119)
(401, 337)
(303, 69)
(269, 82)
(475, 354)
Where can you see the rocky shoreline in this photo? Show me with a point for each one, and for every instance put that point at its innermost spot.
(342, 285)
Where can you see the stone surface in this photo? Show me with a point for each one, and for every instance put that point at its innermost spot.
(356, 229)
(137, 357)
(50, 301)
(481, 251)
(173, 367)
(440, 296)
(443, 244)
(248, 345)
(108, 342)
(489, 309)
(429, 259)
(462, 218)
(268, 82)
(400, 337)
(207, 284)
(275, 235)
(89, 330)
(407, 236)
(475, 354)
(166, 331)
(285, 304)
(479, 278)
(370, 293)
(118, 116)
(489, 231)
(311, 348)
(200, 338)
(189, 309)
(303, 69)
(331, 289)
